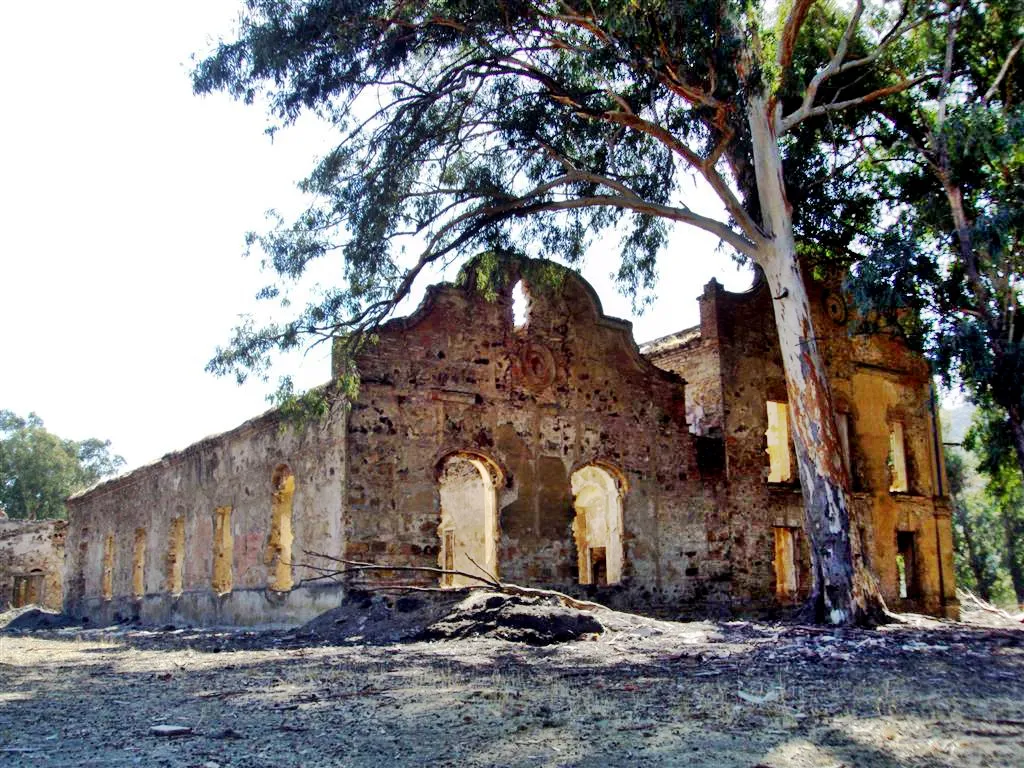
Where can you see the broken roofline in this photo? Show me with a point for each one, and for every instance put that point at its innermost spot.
(401, 324)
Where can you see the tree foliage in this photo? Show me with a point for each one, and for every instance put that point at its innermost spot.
(39, 470)
(948, 269)
(1000, 510)
(514, 127)
(534, 127)
(979, 552)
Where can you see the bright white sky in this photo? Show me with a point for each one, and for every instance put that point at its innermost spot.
(124, 200)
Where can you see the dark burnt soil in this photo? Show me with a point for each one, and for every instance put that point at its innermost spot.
(638, 692)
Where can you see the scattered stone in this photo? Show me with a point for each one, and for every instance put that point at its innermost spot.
(767, 698)
(170, 731)
(227, 733)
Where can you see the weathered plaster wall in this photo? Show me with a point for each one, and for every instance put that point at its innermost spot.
(178, 497)
(525, 407)
(31, 562)
(535, 403)
(875, 381)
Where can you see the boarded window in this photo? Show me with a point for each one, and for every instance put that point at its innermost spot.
(469, 520)
(779, 470)
(223, 551)
(176, 557)
(108, 567)
(448, 547)
(786, 567)
(899, 482)
(28, 590)
(597, 527)
(139, 563)
(279, 543)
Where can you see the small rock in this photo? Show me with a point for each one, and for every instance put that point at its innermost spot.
(227, 733)
(168, 730)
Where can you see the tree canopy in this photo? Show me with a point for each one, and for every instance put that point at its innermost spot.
(947, 270)
(39, 470)
(999, 516)
(532, 127)
(535, 126)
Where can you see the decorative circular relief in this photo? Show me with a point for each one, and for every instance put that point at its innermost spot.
(538, 365)
(835, 307)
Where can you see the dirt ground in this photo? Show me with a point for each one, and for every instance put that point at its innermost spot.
(642, 692)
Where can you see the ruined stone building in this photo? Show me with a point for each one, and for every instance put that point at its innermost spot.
(551, 452)
(31, 563)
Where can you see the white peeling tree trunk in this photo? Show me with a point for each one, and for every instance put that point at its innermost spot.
(843, 591)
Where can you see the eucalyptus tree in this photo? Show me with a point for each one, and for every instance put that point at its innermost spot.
(506, 125)
(951, 166)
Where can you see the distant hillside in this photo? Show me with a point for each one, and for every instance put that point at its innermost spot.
(955, 422)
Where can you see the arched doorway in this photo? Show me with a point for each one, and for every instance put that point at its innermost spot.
(597, 527)
(469, 519)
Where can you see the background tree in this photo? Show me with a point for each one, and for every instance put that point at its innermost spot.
(990, 438)
(38, 470)
(949, 270)
(508, 126)
(977, 529)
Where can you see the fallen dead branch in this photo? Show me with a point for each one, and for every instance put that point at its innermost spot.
(487, 581)
(965, 596)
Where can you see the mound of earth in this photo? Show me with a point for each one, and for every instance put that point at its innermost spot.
(533, 619)
(32, 617)
(378, 619)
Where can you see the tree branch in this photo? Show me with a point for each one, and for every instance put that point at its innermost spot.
(836, 106)
(1002, 71)
(805, 109)
(790, 32)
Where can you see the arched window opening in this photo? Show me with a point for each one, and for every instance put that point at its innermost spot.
(520, 306)
(176, 557)
(139, 563)
(469, 521)
(223, 551)
(279, 542)
(597, 527)
(108, 567)
(29, 589)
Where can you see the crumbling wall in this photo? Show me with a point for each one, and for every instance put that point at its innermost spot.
(31, 563)
(875, 381)
(169, 521)
(679, 513)
(566, 389)
(695, 354)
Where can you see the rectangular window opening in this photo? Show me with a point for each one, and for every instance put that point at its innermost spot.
(899, 482)
(176, 557)
(843, 425)
(223, 551)
(139, 563)
(786, 567)
(779, 468)
(108, 567)
(906, 565)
